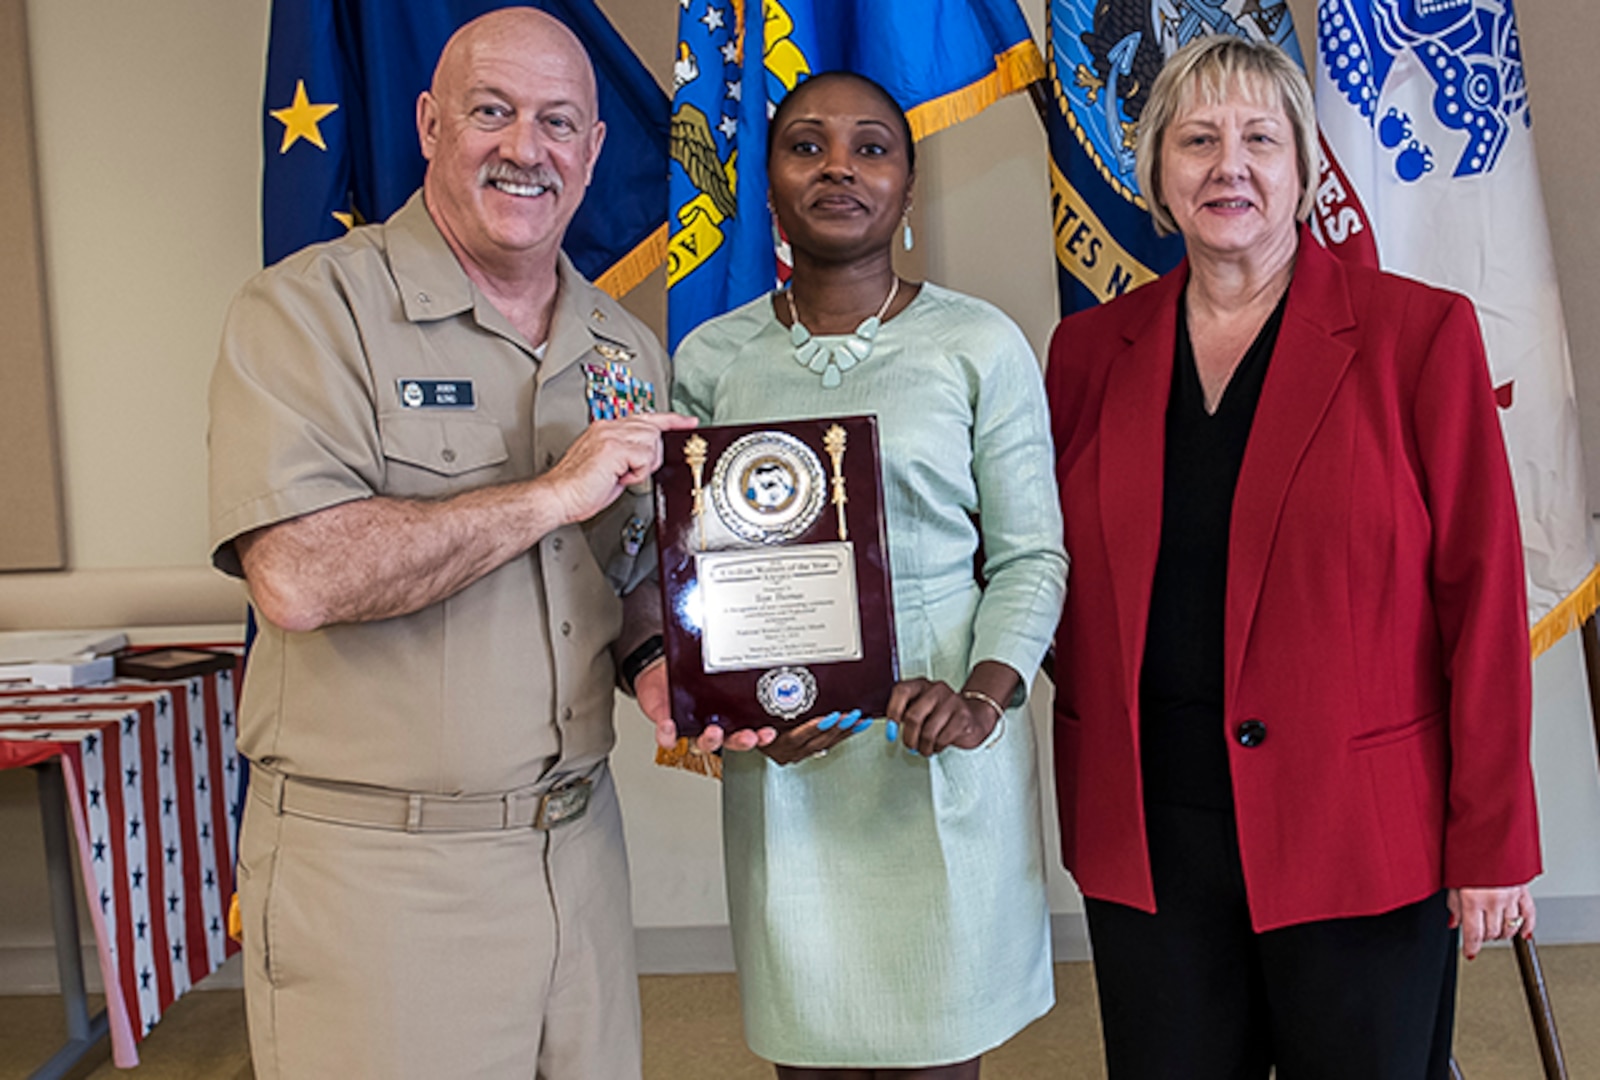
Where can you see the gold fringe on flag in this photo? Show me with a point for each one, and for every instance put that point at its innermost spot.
(684, 757)
(636, 265)
(1013, 69)
(1568, 615)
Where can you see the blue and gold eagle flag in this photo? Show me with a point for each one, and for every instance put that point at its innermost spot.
(1103, 56)
(943, 60)
(340, 136)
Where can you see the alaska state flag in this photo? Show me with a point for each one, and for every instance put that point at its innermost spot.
(1430, 171)
(1103, 56)
(340, 138)
(943, 60)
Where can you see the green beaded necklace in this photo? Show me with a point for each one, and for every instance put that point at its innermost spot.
(831, 361)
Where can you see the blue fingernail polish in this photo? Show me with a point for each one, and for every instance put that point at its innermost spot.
(828, 721)
(891, 731)
(864, 725)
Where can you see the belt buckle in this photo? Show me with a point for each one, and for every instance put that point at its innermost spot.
(564, 803)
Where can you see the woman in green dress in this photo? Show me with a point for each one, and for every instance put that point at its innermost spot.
(887, 895)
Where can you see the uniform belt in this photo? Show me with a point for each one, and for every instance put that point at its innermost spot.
(551, 803)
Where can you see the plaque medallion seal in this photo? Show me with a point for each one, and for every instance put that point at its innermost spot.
(768, 487)
(786, 692)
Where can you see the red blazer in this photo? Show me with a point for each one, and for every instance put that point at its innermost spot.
(1376, 621)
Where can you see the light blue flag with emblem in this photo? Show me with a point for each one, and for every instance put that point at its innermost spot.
(943, 60)
(1429, 170)
(1103, 56)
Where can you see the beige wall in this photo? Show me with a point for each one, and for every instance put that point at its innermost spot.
(148, 141)
(32, 540)
(146, 120)
(1558, 40)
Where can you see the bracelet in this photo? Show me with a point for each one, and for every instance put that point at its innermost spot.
(979, 695)
(652, 649)
(999, 712)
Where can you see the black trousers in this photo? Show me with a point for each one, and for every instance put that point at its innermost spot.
(1193, 993)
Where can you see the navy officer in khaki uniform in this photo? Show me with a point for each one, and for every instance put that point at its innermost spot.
(415, 467)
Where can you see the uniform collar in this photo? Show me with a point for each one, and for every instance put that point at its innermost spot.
(432, 283)
(433, 286)
(584, 318)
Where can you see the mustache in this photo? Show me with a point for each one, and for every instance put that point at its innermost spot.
(503, 172)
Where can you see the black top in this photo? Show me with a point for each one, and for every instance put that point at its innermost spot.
(1184, 747)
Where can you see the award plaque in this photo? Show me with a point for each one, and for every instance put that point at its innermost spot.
(774, 573)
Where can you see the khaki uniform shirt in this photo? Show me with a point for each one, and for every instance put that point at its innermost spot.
(372, 366)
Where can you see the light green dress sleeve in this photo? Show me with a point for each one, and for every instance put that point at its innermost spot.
(1024, 563)
(706, 355)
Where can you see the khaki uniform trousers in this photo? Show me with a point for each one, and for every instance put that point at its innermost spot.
(374, 952)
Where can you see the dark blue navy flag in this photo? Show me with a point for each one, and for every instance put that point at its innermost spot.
(1103, 56)
(340, 136)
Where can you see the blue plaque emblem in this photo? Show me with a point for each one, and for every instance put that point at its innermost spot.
(1104, 54)
(786, 692)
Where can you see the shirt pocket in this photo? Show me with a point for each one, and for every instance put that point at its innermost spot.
(428, 456)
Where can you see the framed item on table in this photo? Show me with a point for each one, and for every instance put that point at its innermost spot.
(169, 664)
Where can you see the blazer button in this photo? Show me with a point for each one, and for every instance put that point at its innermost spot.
(1251, 733)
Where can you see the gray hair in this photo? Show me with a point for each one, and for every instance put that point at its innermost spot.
(1210, 70)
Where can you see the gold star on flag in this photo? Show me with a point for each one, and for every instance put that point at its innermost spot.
(349, 218)
(300, 119)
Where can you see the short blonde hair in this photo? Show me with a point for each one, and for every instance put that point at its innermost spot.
(1210, 70)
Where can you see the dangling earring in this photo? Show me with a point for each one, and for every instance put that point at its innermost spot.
(908, 238)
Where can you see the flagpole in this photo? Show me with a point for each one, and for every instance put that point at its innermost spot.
(1533, 984)
(1539, 1010)
(1041, 103)
(1591, 664)
(1534, 989)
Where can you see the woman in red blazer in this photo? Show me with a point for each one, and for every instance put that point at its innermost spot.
(1292, 719)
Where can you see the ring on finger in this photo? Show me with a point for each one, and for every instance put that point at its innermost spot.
(1514, 923)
